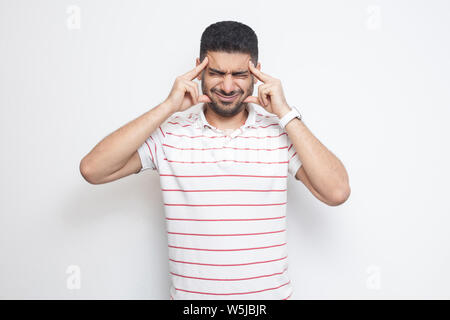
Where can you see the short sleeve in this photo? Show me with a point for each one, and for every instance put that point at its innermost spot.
(294, 161)
(150, 151)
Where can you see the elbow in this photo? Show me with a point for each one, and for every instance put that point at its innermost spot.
(87, 172)
(340, 196)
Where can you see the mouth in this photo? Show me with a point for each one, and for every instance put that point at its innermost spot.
(227, 99)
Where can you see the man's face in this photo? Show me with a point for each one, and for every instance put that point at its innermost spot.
(227, 75)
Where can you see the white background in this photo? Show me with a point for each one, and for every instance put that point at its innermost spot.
(372, 79)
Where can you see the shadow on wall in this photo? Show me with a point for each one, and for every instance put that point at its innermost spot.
(117, 232)
(308, 216)
(318, 244)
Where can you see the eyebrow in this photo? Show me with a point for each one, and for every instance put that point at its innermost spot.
(233, 73)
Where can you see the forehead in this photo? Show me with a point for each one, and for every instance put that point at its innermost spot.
(228, 62)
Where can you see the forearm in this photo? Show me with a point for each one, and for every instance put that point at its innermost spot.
(113, 152)
(325, 171)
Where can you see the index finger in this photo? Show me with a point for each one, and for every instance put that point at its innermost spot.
(261, 76)
(191, 75)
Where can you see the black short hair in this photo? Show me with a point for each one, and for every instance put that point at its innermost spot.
(229, 36)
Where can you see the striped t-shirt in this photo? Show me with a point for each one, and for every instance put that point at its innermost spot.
(225, 204)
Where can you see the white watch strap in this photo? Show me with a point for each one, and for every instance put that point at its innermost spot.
(289, 116)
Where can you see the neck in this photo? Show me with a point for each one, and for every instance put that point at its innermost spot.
(226, 123)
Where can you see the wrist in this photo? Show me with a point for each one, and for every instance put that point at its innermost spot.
(289, 116)
(284, 110)
(168, 107)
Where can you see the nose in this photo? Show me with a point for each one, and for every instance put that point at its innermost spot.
(227, 84)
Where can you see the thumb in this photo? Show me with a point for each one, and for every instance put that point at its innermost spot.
(204, 98)
(252, 99)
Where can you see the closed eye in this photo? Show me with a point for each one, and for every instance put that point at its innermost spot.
(237, 75)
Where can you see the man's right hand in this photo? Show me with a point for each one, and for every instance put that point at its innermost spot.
(116, 155)
(185, 92)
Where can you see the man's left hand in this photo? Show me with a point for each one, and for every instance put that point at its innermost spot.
(270, 93)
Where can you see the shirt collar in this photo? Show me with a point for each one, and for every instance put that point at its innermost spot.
(250, 122)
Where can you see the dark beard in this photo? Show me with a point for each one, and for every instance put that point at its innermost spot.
(228, 113)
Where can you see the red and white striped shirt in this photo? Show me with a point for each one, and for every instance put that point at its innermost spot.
(225, 204)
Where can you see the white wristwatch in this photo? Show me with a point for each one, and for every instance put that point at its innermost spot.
(294, 113)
